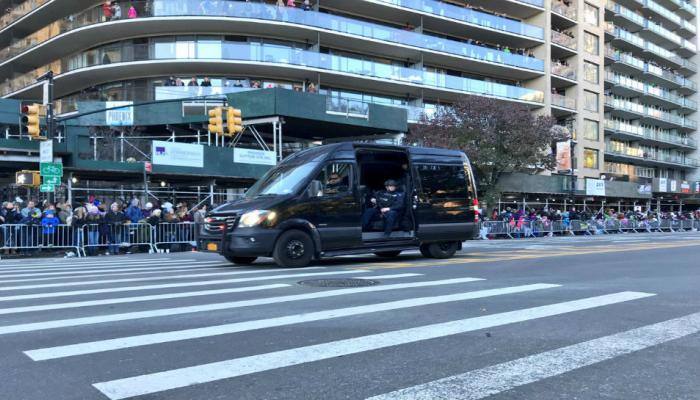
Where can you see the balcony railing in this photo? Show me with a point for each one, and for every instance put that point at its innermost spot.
(562, 9)
(661, 10)
(649, 90)
(645, 133)
(564, 71)
(559, 100)
(471, 16)
(20, 11)
(281, 55)
(640, 154)
(256, 11)
(564, 40)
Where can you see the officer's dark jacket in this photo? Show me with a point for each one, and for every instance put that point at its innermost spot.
(393, 200)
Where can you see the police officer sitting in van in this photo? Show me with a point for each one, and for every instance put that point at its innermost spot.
(386, 204)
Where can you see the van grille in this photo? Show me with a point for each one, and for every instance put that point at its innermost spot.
(216, 224)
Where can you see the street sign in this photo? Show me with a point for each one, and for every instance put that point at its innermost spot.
(51, 169)
(51, 180)
(46, 188)
(46, 151)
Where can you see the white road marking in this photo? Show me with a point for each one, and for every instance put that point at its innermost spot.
(187, 334)
(183, 377)
(153, 278)
(135, 299)
(63, 323)
(108, 272)
(394, 276)
(495, 379)
(95, 265)
(164, 286)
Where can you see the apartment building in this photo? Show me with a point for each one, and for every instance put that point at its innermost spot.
(619, 74)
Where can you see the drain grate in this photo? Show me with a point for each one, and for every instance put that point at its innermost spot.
(347, 282)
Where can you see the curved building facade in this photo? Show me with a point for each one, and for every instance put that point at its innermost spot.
(620, 74)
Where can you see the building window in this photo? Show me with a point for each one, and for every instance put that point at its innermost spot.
(590, 43)
(590, 72)
(590, 14)
(590, 158)
(590, 101)
(590, 130)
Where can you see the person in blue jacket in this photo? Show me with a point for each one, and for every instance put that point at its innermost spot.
(48, 227)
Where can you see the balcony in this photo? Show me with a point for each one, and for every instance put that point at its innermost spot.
(687, 29)
(645, 135)
(563, 16)
(20, 11)
(653, 95)
(657, 11)
(562, 75)
(646, 158)
(296, 18)
(268, 60)
(562, 105)
(564, 46)
(471, 16)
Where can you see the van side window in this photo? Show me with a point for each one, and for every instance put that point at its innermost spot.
(334, 179)
(443, 181)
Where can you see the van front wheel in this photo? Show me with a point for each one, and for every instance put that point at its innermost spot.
(440, 249)
(294, 248)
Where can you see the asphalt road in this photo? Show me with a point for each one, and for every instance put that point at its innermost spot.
(612, 317)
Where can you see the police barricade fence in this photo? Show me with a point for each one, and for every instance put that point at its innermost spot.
(525, 229)
(175, 236)
(114, 237)
(39, 236)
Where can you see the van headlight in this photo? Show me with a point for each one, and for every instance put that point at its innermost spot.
(256, 217)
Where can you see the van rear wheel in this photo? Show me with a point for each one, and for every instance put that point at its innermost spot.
(439, 249)
(241, 260)
(388, 254)
(294, 248)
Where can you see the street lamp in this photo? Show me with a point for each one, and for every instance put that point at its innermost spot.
(162, 183)
(572, 146)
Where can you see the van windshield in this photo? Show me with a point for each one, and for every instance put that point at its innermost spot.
(285, 179)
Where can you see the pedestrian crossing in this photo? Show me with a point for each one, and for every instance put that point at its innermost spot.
(194, 302)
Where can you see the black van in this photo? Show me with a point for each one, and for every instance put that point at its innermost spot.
(312, 204)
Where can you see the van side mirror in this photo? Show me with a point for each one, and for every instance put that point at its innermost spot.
(315, 189)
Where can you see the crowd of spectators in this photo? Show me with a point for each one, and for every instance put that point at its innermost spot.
(32, 224)
(540, 221)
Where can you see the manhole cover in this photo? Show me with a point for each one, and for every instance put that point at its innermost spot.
(339, 282)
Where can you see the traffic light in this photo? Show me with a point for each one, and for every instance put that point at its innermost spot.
(30, 120)
(234, 121)
(216, 121)
(28, 178)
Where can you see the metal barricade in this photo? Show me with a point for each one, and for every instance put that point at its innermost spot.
(665, 225)
(40, 237)
(496, 228)
(182, 233)
(116, 237)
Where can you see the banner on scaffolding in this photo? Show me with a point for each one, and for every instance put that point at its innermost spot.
(123, 116)
(563, 156)
(595, 187)
(177, 154)
(250, 156)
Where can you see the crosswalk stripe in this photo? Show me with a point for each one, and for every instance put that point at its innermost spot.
(164, 286)
(110, 264)
(183, 377)
(196, 333)
(394, 276)
(495, 379)
(108, 272)
(135, 299)
(153, 278)
(37, 326)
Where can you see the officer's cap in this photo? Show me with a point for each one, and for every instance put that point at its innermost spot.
(390, 182)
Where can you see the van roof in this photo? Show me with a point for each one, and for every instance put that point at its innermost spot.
(321, 152)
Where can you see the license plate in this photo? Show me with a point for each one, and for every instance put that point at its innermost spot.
(212, 247)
